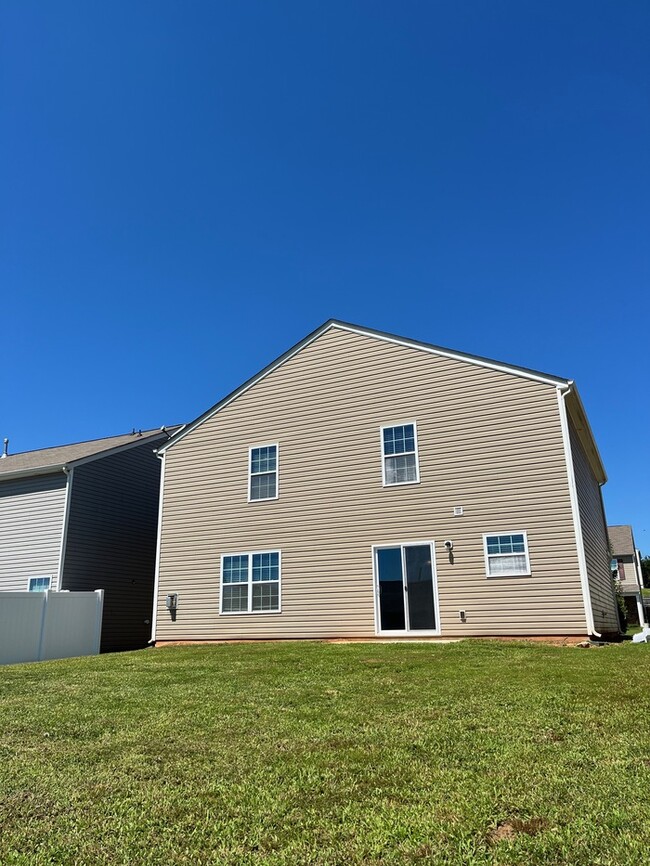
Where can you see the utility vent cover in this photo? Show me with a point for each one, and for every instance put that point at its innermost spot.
(458, 511)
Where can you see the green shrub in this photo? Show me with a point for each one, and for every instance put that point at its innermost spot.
(622, 611)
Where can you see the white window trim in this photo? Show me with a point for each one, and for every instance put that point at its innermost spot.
(375, 580)
(384, 456)
(40, 577)
(277, 471)
(250, 612)
(487, 555)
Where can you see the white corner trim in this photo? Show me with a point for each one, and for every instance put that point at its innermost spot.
(156, 581)
(575, 511)
(66, 520)
(637, 568)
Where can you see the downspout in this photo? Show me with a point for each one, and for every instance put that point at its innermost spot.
(69, 473)
(154, 617)
(562, 394)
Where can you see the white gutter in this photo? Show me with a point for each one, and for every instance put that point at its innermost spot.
(156, 582)
(31, 473)
(562, 394)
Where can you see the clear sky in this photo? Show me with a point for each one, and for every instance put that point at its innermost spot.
(188, 188)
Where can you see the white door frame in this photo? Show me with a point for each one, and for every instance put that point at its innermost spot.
(434, 581)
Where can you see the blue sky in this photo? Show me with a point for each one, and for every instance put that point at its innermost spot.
(190, 188)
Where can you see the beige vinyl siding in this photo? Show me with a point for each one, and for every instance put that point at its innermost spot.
(111, 541)
(488, 441)
(31, 525)
(596, 544)
(630, 583)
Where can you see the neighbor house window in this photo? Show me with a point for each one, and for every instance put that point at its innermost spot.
(39, 584)
(250, 582)
(506, 554)
(263, 473)
(399, 447)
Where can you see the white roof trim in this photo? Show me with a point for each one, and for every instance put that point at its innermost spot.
(457, 356)
(32, 472)
(365, 332)
(586, 434)
(126, 446)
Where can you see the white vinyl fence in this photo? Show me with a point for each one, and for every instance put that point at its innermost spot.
(35, 626)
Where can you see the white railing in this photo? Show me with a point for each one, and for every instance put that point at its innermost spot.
(35, 626)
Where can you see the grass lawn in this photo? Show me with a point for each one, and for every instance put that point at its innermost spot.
(308, 753)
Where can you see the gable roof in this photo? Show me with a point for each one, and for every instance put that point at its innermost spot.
(621, 541)
(45, 460)
(478, 360)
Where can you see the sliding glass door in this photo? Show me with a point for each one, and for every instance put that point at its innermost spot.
(405, 585)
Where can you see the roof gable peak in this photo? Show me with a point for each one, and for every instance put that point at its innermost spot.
(368, 332)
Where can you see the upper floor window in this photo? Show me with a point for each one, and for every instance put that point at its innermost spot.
(263, 473)
(400, 454)
(506, 554)
(39, 584)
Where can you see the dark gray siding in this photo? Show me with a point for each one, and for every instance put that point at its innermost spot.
(596, 543)
(31, 523)
(111, 541)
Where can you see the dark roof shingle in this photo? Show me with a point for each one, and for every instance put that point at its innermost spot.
(44, 458)
(621, 540)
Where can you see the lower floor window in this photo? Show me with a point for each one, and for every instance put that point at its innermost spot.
(250, 582)
(506, 554)
(39, 584)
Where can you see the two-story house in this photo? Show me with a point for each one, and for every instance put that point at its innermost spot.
(83, 517)
(627, 561)
(366, 485)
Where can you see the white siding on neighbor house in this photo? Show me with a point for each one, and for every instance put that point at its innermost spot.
(596, 544)
(31, 526)
(111, 540)
(629, 583)
(488, 441)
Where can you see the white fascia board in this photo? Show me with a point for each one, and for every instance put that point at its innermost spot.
(583, 421)
(456, 356)
(364, 332)
(126, 446)
(243, 388)
(70, 464)
(575, 512)
(33, 472)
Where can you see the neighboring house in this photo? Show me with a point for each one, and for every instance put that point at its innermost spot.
(83, 517)
(368, 485)
(626, 565)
